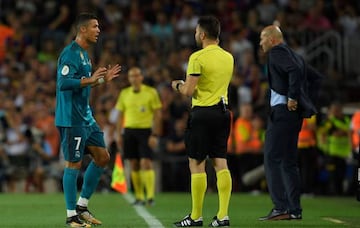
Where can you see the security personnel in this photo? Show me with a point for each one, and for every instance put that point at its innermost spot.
(355, 127)
(336, 132)
(248, 139)
(308, 154)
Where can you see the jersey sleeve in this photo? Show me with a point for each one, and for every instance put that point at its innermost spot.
(194, 66)
(67, 69)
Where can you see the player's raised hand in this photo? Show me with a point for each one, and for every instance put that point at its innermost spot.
(112, 72)
(99, 73)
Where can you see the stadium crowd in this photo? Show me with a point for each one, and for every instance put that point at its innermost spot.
(158, 35)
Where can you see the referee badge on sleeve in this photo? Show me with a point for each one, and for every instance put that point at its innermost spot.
(65, 70)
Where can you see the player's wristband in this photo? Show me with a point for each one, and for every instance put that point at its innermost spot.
(101, 80)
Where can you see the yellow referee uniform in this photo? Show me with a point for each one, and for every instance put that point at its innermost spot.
(138, 107)
(215, 67)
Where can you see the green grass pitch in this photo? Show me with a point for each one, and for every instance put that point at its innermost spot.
(48, 210)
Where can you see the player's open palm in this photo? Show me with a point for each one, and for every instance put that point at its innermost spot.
(112, 72)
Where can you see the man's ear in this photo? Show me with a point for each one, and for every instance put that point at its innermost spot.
(82, 28)
(272, 40)
(202, 35)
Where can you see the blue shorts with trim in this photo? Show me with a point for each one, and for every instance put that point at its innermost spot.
(74, 140)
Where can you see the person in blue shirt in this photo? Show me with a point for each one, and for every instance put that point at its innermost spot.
(78, 129)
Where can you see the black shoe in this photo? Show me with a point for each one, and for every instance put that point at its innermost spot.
(276, 214)
(75, 221)
(86, 215)
(217, 223)
(295, 216)
(188, 222)
(138, 203)
(151, 202)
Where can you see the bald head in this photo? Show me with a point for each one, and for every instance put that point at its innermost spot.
(273, 31)
(270, 37)
(134, 71)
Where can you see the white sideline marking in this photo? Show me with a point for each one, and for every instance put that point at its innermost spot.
(337, 221)
(148, 218)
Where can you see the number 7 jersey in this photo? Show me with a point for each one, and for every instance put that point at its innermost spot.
(72, 100)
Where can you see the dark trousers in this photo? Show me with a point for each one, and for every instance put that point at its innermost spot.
(280, 158)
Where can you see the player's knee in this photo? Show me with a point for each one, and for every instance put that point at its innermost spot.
(102, 160)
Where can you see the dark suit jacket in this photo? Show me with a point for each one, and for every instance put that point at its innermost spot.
(289, 75)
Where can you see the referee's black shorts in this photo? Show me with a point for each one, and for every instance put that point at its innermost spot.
(135, 143)
(207, 132)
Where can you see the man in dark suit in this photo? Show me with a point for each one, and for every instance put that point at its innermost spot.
(293, 86)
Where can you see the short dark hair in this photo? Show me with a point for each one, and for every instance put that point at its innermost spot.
(83, 18)
(210, 25)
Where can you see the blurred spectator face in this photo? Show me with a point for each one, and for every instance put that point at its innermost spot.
(246, 111)
(336, 110)
(161, 18)
(180, 125)
(257, 123)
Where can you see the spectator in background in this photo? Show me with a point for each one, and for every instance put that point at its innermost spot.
(177, 159)
(254, 28)
(21, 38)
(162, 30)
(172, 64)
(41, 159)
(48, 52)
(294, 15)
(308, 155)
(244, 93)
(6, 33)
(348, 21)
(185, 25)
(56, 19)
(267, 10)
(355, 131)
(239, 45)
(248, 142)
(335, 134)
(45, 122)
(17, 148)
(136, 27)
(4, 167)
(253, 80)
(315, 20)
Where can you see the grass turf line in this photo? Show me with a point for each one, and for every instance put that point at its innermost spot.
(48, 210)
